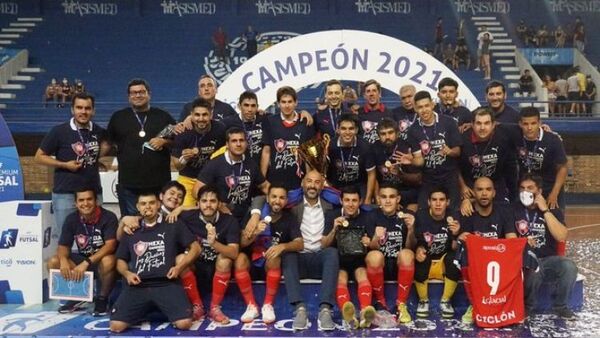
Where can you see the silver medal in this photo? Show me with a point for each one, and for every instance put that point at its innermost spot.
(142, 133)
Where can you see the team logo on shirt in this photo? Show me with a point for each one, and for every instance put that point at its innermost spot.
(425, 147)
(522, 227)
(522, 152)
(428, 238)
(368, 126)
(475, 160)
(339, 164)
(78, 148)
(231, 181)
(280, 145)
(140, 248)
(403, 125)
(81, 240)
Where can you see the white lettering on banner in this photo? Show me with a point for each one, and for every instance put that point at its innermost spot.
(188, 8)
(268, 7)
(8, 178)
(479, 7)
(496, 319)
(572, 6)
(382, 7)
(339, 54)
(9, 8)
(85, 8)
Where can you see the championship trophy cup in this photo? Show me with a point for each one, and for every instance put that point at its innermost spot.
(314, 153)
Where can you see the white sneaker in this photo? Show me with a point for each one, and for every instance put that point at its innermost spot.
(268, 314)
(250, 314)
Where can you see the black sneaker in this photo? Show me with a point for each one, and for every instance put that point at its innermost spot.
(381, 307)
(565, 313)
(72, 306)
(100, 307)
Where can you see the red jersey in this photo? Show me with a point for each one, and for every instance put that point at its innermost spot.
(495, 272)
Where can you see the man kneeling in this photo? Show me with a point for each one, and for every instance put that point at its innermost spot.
(146, 260)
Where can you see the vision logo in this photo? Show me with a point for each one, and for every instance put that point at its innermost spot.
(8, 238)
(236, 54)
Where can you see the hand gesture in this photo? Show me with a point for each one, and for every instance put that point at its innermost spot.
(540, 202)
(211, 234)
(466, 207)
(420, 254)
(453, 225)
(553, 201)
(73, 165)
(130, 224)
(409, 220)
(132, 278)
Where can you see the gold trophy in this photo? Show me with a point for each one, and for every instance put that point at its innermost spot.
(314, 153)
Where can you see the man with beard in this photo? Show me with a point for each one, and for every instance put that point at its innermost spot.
(485, 152)
(263, 243)
(405, 114)
(352, 265)
(93, 229)
(148, 260)
(251, 123)
(544, 228)
(315, 260)
(236, 177)
(144, 160)
(435, 143)
(219, 237)
(390, 171)
(171, 198)
(326, 120)
(351, 159)
(488, 220)
(392, 242)
(495, 95)
(207, 90)
(193, 148)
(372, 112)
(450, 106)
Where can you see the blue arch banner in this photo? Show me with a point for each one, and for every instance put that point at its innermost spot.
(11, 175)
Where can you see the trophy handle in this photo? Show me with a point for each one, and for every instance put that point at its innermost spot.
(327, 140)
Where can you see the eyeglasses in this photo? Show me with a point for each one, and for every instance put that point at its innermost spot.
(138, 93)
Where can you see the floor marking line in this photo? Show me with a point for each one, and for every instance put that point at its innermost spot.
(589, 270)
(584, 226)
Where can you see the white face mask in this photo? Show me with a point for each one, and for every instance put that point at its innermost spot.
(526, 198)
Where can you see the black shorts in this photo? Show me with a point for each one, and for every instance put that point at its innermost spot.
(574, 96)
(135, 302)
(351, 263)
(77, 259)
(390, 269)
(205, 271)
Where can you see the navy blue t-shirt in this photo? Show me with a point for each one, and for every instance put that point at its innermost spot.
(496, 225)
(363, 221)
(383, 154)
(349, 165)
(254, 134)
(405, 119)
(67, 144)
(89, 238)
(150, 252)
(508, 116)
(284, 230)
(487, 158)
(429, 140)
(541, 157)
(369, 119)
(207, 144)
(433, 235)
(531, 222)
(227, 228)
(326, 121)
(236, 183)
(396, 232)
(283, 167)
(221, 111)
(459, 114)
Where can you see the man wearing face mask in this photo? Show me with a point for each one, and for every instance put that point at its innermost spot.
(544, 228)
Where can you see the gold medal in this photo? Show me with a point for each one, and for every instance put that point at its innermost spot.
(267, 219)
(400, 214)
(142, 133)
(345, 223)
(388, 164)
(449, 219)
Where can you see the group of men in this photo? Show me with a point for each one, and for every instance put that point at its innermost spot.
(401, 188)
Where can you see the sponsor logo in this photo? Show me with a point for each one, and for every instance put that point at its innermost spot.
(499, 248)
(29, 238)
(493, 300)
(188, 8)
(88, 8)
(572, 6)
(11, 8)
(7, 262)
(382, 7)
(479, 7)
(8, 238)
(29, 323)
(267, 7)
(25, 261)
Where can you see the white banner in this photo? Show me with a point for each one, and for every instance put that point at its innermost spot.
(343, 55)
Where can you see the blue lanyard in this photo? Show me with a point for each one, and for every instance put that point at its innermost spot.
(347, 158)
(236, 178)
(141, 123)
(425, 131)
(531, 221)
(333, 126)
